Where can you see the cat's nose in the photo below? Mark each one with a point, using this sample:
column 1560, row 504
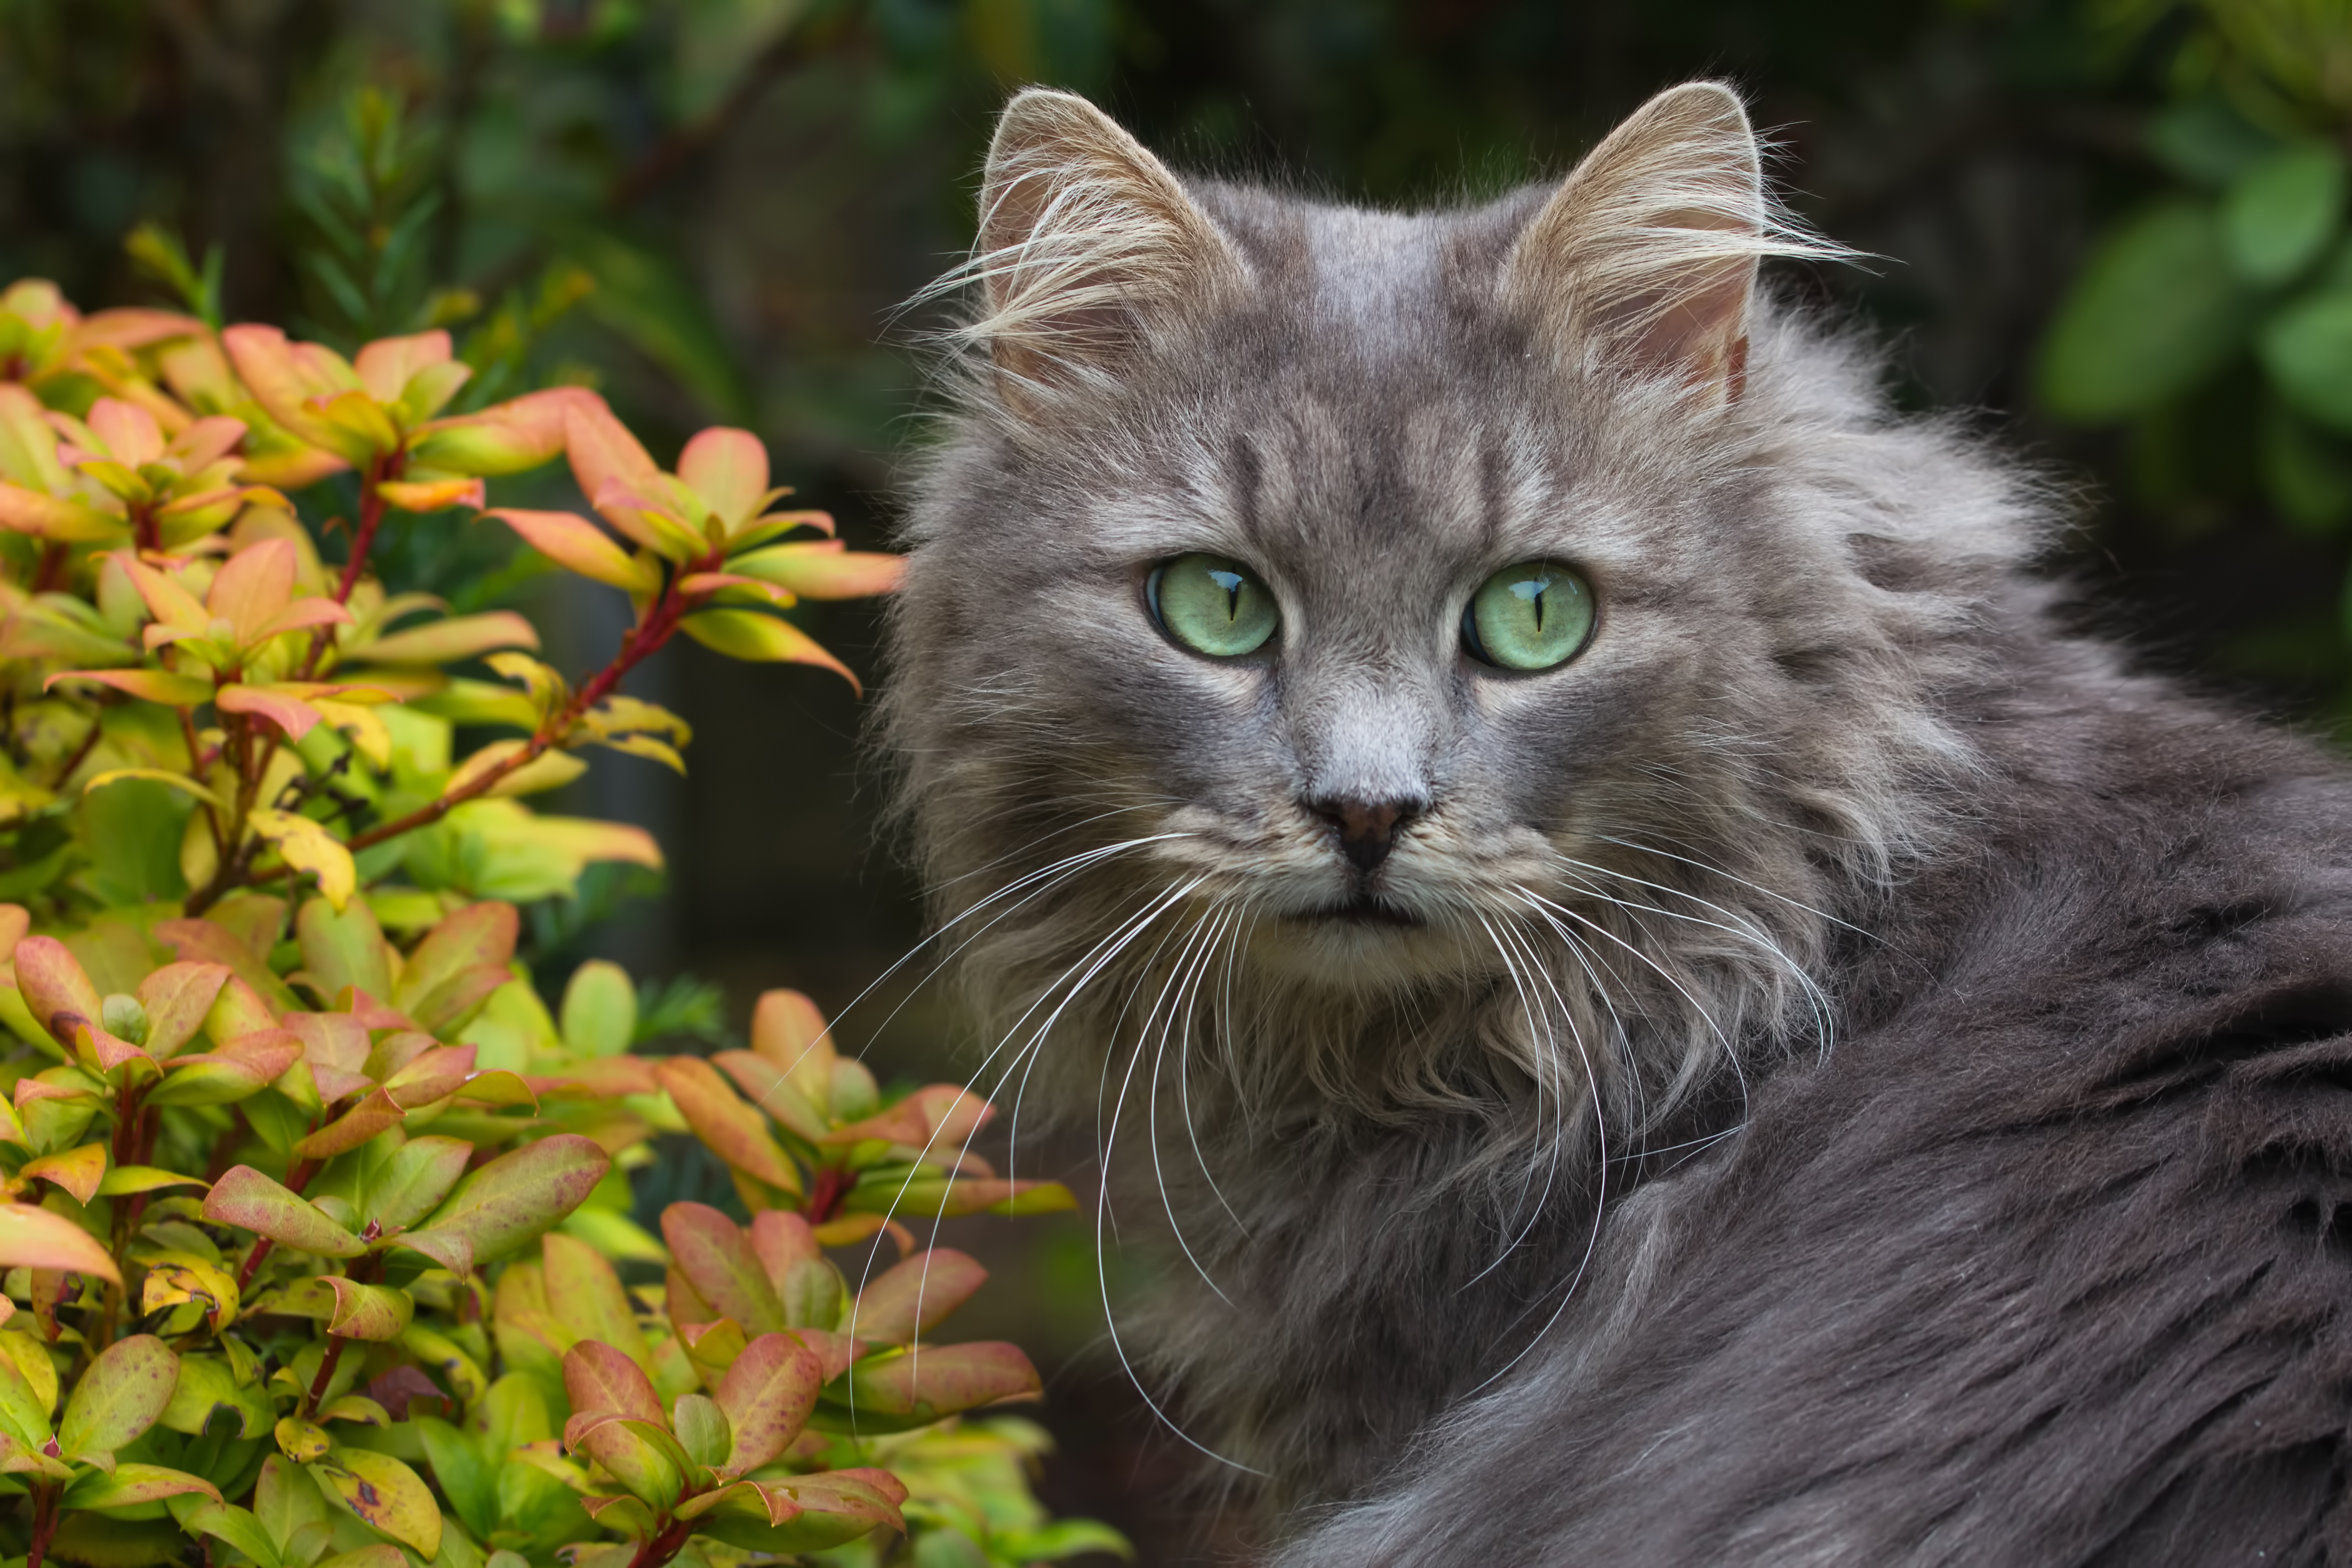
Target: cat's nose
column 1368, row 828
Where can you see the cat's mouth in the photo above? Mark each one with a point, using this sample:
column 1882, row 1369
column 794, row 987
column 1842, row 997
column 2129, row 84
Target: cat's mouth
column 1365, row 909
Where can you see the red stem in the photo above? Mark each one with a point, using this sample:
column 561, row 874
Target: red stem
column 638, row 643
column 327, row 1365
column 45, row 1522
column 363, row 1272
column 370, row 518
column 82, row 751
column 825, row 1194
column 652, row 1553
column 252, row 1265
column 51, row 569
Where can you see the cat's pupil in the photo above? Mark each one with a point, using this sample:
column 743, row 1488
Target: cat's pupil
column 1231, row 582
column 1532, row 590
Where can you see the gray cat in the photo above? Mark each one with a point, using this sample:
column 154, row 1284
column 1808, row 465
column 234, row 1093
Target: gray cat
column 1663, row 1011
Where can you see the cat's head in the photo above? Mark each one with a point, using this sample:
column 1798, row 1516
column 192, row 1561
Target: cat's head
column 1474, row 636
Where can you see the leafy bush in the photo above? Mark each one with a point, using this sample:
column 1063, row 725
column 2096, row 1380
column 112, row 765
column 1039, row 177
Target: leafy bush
column 316, row 1205
column 2214, row 320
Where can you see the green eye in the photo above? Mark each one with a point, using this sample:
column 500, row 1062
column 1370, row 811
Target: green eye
column 1531, row 616
column 1212, row 606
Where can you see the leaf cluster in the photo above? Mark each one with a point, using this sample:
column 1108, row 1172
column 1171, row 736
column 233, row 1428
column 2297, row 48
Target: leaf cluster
column 313, row 1206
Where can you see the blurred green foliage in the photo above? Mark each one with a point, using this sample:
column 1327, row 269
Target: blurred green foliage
column 2213, row 322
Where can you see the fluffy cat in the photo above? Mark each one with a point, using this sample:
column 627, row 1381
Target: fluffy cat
column 1665, row 1011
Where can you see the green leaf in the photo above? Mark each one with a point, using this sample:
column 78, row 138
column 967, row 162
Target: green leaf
column 767, row 1396
column 1065, row 1538
column 600, row 1380
column 302, row 1441
column 345, row 948
column 368, row 1312
column 447, row 641
column 920, row 1386
column 2279, row 216
column 380, row 1555
column 417, row 1176
column 702, row 1431
column 372, row 1116
column 585, row 1295
column 640, row 1455
column 459, row 1371
column 207, row 1386
column 251, row 1201
column 479, row 937
column 108, row 1541
column 237, row 1526
column 758, row 638
column 912, row 1296
column 733, row 1129
column 23, row 1413
column 285, row 1501
column 467, row 1480
column 836, row 1507
column 133, row 831
column 176, row 997
column 123, row 1181
column 2156, row 311
column 2307, row 350
column 31, row 1360
column 130, row 1485
column 600, row 1010
column 384, row 1493
column 2306, row 473
column 2207, row 142
column 713, row 1254
column 513, row 1199
column 118, row 1397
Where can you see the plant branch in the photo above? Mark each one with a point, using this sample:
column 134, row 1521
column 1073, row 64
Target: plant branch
column 82, row 751
column 640, row 643
column 682, row 146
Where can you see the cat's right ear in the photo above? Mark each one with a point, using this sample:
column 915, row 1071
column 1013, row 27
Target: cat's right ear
column 1086, row 242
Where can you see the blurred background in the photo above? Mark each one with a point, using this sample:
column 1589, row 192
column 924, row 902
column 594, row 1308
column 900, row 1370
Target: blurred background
column 2110, row 230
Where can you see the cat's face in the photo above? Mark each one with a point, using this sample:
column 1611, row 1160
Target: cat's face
column 1371, row 605
column 1248, row 618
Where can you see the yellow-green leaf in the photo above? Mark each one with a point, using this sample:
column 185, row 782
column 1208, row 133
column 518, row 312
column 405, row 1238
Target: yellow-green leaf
column 118, row 1397
column 386, row 1494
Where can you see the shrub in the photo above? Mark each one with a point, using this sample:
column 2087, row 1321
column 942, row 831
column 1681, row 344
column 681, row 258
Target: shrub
column 315, row 1204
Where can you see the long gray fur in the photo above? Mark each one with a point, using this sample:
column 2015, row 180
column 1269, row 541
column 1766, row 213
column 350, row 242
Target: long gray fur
column 1872, row 1082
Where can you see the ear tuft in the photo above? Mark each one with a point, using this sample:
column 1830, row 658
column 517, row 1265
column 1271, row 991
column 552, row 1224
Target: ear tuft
column 1085, row 242
column 1645, row 258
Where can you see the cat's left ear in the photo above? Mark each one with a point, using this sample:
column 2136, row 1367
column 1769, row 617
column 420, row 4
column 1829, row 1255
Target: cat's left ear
column 1645, row 260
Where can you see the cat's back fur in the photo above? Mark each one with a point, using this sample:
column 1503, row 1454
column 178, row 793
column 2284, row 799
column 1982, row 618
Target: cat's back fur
column 1864, row 1078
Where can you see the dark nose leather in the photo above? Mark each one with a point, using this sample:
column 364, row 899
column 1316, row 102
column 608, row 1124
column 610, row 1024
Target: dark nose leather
column 1368, row 828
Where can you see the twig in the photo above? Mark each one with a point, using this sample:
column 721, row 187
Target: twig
column 688, row 143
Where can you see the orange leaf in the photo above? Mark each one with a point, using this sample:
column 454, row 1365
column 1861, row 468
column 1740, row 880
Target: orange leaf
column 729, row 469
column 384, row 365
column 601, row 448
column 34, row 1238
column 254, row 586
column 290, row 714
column 78, row 1170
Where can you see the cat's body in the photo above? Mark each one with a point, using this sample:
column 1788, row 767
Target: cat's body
column 1834, row 1071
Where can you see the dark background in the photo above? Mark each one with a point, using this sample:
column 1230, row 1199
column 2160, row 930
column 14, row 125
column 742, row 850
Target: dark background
column 728, row 198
